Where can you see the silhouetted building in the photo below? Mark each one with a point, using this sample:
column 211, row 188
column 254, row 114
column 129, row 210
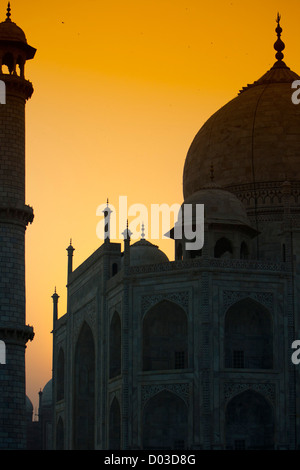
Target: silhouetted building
column 33, row 428
column 14, row 218
column 39, row 431
column 196, row 353
column 46, row 416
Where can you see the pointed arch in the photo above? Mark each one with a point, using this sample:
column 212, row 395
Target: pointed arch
column 165, row 337
column 165, row 422
column 21, row 63
column 249, row 422
column 248, row 336
column 9, row 61
column 84, row 390
column 223, row 248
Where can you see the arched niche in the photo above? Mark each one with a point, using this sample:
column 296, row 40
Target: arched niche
column 223, row 248
column 249, row 422
column 84, row 390
column 248, row 336
column 165, row 337
column 165, row 422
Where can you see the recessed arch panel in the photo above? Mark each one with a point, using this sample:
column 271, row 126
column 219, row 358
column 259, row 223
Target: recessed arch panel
column 165, row 337
column 165, row 422
column 84, row 390
column 248, row 336
column 249, row 422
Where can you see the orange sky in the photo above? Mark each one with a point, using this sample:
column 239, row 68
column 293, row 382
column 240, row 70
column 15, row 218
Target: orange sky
column 121, row 89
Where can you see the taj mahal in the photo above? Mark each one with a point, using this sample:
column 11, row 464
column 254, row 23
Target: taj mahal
column 193, row 353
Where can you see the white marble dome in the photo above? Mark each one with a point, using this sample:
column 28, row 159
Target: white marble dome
column 220, row 206
column 47, row 394
column 143, row 252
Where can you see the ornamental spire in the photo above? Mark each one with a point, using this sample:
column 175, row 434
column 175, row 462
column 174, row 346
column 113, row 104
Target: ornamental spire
column 8, row 14
column 279, row 44
column 127, row 232
column 70, row 251
column 107, row 213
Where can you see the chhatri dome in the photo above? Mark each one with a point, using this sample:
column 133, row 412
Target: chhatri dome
column 47, row 394
column 10, row 31
column 143, row 253
column 255, row 138
column 223, row 210
column 220, row 206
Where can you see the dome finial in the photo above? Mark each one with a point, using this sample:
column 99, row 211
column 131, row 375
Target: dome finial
column 279, row 44
column 127, row 233
column 143, row 231
column 8, row 14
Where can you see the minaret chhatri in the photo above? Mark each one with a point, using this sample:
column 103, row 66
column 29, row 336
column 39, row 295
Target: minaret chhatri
column 14, row 218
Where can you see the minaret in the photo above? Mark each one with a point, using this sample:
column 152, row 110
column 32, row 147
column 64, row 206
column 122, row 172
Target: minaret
column 127, row 235
column 70, row 251
column 55, row 298
column 107, row 214
column 14, row 218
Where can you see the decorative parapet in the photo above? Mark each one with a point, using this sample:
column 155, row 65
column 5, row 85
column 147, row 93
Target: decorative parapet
column 17, row 86
column 207, row 263
column 267, row 193
column 249, row 265
column 23, row 215
column 17, row 335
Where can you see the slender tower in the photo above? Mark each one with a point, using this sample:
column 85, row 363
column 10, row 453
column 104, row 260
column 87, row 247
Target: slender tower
column 14, row 218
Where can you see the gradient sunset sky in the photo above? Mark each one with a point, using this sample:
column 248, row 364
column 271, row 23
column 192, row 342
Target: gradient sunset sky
column 121, row 89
